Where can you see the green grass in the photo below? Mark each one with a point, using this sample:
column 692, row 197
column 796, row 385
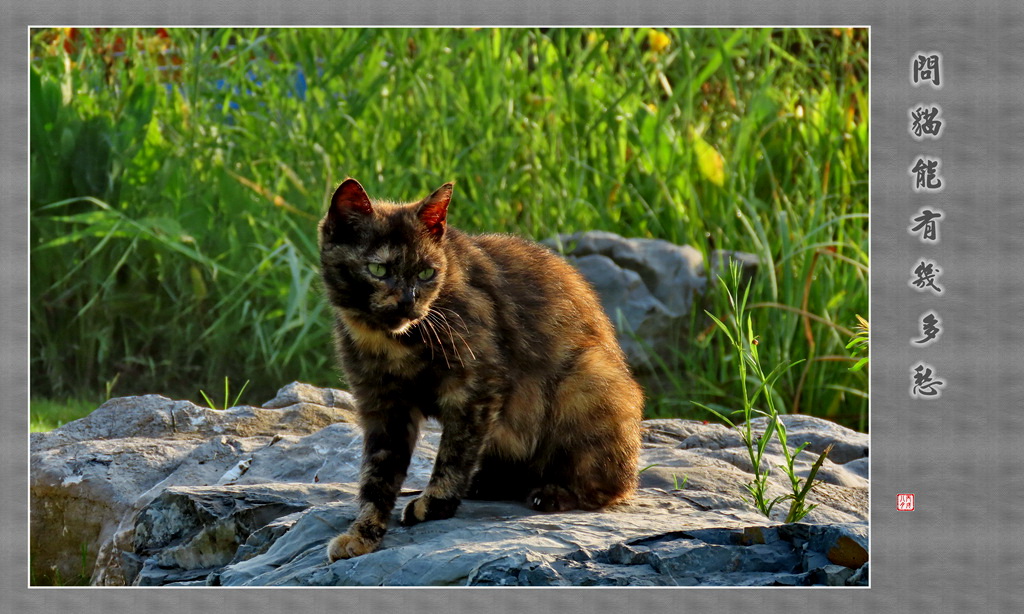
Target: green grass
column 48, row 414
column 227, row 396
column 176, row 184
column 755, row 384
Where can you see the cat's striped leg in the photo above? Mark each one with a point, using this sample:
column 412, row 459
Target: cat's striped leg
column 458, row 456
column 387, row 450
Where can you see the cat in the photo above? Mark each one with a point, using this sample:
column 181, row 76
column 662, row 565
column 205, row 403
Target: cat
column 499, row 339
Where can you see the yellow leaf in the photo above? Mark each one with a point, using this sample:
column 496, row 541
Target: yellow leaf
column 709, row 161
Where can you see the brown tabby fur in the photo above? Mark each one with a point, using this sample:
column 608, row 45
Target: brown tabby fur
column 505, row 344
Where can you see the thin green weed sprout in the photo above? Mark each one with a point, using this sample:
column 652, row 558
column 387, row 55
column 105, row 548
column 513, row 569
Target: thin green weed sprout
column 109, row 386
column 226, row 395
column 745, row 344
column 676, row 483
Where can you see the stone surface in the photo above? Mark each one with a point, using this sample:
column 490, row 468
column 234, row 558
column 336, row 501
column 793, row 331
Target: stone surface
column 236, row 499
column 87, row 475
column 298, row 393
column 648, row 287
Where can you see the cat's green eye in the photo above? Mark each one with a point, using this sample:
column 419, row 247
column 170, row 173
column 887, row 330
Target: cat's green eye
column 377, row 269
column 427, row 274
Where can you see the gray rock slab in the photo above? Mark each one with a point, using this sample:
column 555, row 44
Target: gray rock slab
column 645, row 543
column 89, row 475
column 237, row 499
column 298, row 392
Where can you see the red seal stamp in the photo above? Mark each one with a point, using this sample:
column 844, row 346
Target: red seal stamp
column 904, row 502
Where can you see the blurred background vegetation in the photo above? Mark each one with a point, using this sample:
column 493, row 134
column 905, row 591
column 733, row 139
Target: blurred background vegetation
column 177, row 176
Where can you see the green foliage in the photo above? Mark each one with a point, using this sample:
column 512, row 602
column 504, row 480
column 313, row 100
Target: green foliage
column 48, row 414
column 227, row 396
column 745, row 344
column 177, row 177
column 859, row 343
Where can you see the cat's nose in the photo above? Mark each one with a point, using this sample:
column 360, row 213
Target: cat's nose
column 406, row 299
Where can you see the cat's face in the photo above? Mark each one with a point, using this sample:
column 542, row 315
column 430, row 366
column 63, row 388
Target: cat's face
column 383, row 264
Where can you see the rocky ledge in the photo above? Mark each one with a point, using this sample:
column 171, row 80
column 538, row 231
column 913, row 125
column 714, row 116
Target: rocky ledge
column 150, row 491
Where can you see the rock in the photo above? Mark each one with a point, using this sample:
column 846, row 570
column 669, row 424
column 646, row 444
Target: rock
column 191, row 532
column 819, row 434
column 154, row 416
column 235, row 499
column 297, row 392
column 648, row 287
column 87, row 475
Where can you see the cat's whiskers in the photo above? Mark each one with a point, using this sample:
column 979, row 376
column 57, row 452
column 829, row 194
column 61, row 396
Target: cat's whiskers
column 440, row 342
column 440, row 319
column 421, row 326
column 444, row 322
column 451, row 329
column 430, row 324
column 457, row 315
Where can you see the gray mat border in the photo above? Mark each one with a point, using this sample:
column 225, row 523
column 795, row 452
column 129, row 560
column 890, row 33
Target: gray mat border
column 958, row 552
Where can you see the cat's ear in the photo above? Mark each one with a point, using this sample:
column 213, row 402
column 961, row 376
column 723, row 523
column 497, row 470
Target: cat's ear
column 433, row 211
column 350, row 200
column 349, row 204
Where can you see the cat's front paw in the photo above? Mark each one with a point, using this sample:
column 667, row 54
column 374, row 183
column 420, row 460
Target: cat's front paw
column 348, row 545
column 428, row 508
